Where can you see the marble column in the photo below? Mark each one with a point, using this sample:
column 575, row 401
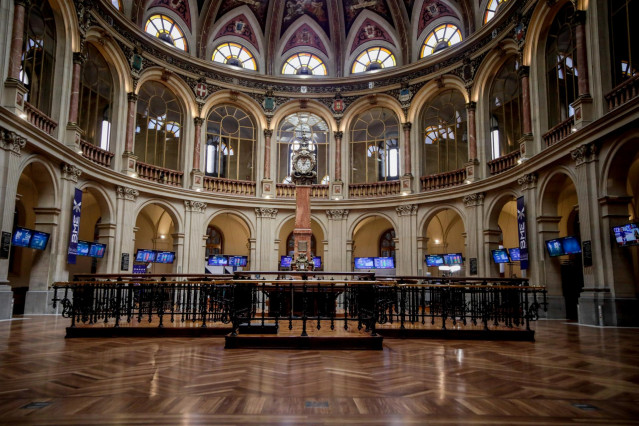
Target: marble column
column 474, row 204
column 265, row 252
column 338, row 155
column 197, row 121
column 128, row 158
column 406, row 247
column 526, row 149
column 194, row 229
column 334, row 259
column 582, row 52
column 472, row 133
column 268, row 133
column 17, row 38
column 125, row 213
column 78, row 59
column 407, row 154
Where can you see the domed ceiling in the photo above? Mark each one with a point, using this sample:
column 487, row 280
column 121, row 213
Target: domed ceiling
column 336, row 32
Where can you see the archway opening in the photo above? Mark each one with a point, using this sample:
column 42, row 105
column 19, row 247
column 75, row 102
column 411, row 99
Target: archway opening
column 445, row 244
column 374, row 236
column 227, row 235
column 318, row 243
column 155, row 230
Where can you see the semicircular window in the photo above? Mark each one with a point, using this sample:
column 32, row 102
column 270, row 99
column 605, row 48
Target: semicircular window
column 440, row 38
column 167, row 30
column 374, row 58
column 492, row 9
column 234, row 54
column 304, row 64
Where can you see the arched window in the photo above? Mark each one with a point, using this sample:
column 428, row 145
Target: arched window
column 445, row 145
column 158, row 133
column 304, row 64
column 234, row 54
column 289, row 134
column 561, row 65
column 117, row 4
column 38, row 56
column 492, row 9
column 624, row 48
column 387, row 244
column 290, row 245
column 230, row 144
column 440, row 38
column 505, row 110
column 214, row 241
column 167, row 30
column 375, row 58
column 374, row 147
column 96, row 99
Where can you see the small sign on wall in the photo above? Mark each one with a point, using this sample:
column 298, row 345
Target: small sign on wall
column 5, row 245
column 587, row 253
column 473, row 266
column 124, row 262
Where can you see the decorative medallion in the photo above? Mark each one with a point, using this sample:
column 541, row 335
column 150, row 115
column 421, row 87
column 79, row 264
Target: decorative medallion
column 239, row 27
column 305, row 36
column 370, row 31
column 432, row 10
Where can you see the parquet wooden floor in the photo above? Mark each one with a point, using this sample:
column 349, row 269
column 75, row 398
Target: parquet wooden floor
column 570, row 375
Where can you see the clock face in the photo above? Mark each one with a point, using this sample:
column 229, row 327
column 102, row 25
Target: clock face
column 303, row 165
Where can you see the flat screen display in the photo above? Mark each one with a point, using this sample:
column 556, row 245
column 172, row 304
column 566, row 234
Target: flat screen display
column 218, row 260
column 139, row 269
column 626, row 235
column 555, row 248
column 571, row 245
column 515, row 256
column 145, row 256
column 83, row 248
column 285, row 261
column 97, row 250
column 434, row 260
column 317, row 262
column 238, row 260
column 384, row 262
column 453, row 259
column 39, row 240
column 165, row 257
column 500, row 256
column 364, row 263
column 21, row 237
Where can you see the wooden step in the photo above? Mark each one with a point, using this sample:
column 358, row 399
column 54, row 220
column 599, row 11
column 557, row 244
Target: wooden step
column 303, row 342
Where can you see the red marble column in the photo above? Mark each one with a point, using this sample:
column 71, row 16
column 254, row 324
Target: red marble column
column 407, row 155
column 17, row 38
column 197, row 121
column 582, row 53
column 302, row 231
column 78, row 60
column 338, row 155
column 524, row 78
column 472, row 132
column 130, row 122
column 267, row 153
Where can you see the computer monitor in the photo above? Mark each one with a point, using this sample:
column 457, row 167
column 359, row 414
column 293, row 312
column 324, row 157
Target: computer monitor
column 514, row 254
column 500, row 256
column 384, row 262
column 453, row 259
column 317, row 262
column 97, row 250
column 571, row 245
column 39, row 240
column 238, row 260
column 218, row 260
column 555, row 247
column 626, row 235
column 434, row 260
column 364, row 263
column 143, row 255
column 285, row 261
column 165, row 257
column 21, row 237
column 83, row 248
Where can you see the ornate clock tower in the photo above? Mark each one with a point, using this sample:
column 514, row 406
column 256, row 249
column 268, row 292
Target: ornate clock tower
column 303, row 175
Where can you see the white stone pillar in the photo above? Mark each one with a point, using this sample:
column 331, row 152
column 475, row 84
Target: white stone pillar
column 194, row 228
column 474, row 204
column 178, row 248
column 125, row 234
column 109, row 264
column 407, row 263
column 334, row 259
column 265, row 255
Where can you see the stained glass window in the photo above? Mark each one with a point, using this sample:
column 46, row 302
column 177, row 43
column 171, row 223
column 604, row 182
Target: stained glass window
column 167, row 30
column 440, row 38
column 304, row 64
column 375, row 58
column 234, row 54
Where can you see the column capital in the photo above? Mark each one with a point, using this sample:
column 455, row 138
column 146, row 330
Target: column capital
column 471, row 105
column 528, row 181
column 584, row 153
column 407, row 126
column 579, row 18
column 129, row 194
column 266, row 213
column 198, row 121
column 338, row 134
column 406, row 210
column 10, row 141
column 195, row 206
column 70, row 172
column 474, row 200
column 268, row 133
column 523, row 71
column 132, row 96
column 337, row 214
column 79, row 58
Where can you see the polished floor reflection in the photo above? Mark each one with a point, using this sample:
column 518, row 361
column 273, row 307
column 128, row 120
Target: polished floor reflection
column 571, row 374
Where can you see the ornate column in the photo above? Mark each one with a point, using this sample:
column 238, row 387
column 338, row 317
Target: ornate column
column 14, row 90
column 526, row 141
column 406, row 262
column 265, row 256
column 106, row 235
column 195, row 230
column 475, row 252
column 197, row 176
column 471, row 166
column 268, row 188
column 74, row 133
column 11, row 146
column 528, row 185
column 334, row 257
column 407, row 178
column 129, row 159
column 583, row 104
column 125, row 234
column 337, row 186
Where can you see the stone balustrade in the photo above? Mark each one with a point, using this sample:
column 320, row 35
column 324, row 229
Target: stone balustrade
column 443, row 180
column 503, row 163
column 159, row 174
column 229, row 186
column 624, row 92
column 374, row 189
column 284, row 190
column 39, row 119
column 559, row 132
column 96, row 154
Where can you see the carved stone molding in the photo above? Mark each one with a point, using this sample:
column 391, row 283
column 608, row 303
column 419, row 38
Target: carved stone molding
column 129, row 194
column 584, row 154
column 266, row 213
column 338, row 134
column 10, row 141
column 337, row 214
column 528, row 181
column 195, row 206
column 70, row 172
column 472, row 200
column 268, row 133
column 406, row 210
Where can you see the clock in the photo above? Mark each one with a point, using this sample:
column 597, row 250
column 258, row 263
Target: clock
column 303, row 165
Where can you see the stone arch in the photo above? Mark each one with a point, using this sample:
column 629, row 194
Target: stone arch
column 104, row 201
column 489, row 67
column 176, row 216
column 358, row 219
column 248, row 225
column 111, row 52
column 174, row 83
column 365, row 103
column 242, row 101
column 312, row 106
column 49, row 176
column 430, row 90
column 550, row 184
column 494, row 206
column 433, row 211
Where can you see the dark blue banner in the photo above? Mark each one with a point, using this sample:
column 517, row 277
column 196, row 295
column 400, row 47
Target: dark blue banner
column 75, row 226
column 522, row 232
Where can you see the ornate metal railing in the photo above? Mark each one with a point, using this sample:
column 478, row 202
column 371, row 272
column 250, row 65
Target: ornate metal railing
column 374, row 189
column 624, row 92
column 503, row 163
column 284, row 190
column 39, row 119
column 443, row 180
column 159, row 174
column 229, row 186
column 327, row 303
column 96, row 154
column 559, row 132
